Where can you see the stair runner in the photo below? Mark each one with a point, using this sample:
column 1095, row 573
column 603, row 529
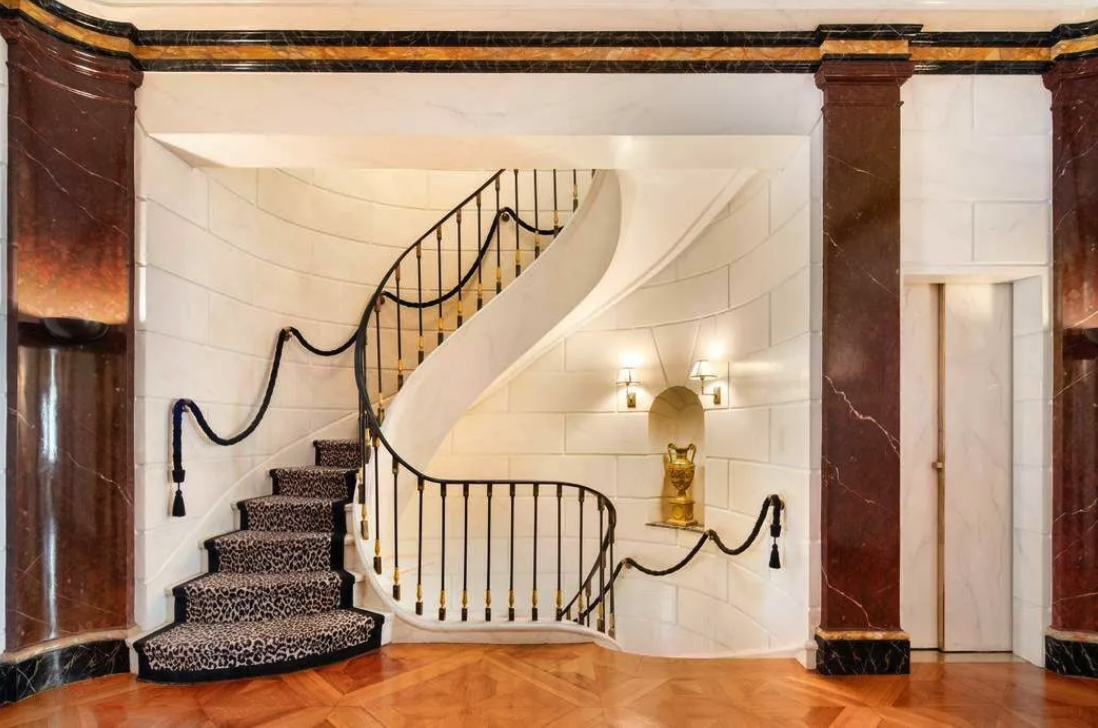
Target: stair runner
column 276, row 597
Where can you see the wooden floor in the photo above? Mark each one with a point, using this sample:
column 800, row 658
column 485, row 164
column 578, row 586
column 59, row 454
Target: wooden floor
column 575, row 685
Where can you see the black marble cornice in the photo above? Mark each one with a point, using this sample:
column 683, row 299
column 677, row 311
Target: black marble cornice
column 985, row 39
column 479, row 39
column 802, row 51
column 866, row 32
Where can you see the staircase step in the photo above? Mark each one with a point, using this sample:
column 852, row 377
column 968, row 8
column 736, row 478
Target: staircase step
column 229, row 597
column 291, row 513
column 315, row 481
column 275, row 551
column 337, row 453
column 197, row 652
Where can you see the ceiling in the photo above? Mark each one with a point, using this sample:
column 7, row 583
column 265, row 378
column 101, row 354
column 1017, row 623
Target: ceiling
column 550, row 15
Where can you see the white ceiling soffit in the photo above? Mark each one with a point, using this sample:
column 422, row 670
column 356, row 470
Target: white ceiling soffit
column 559, row 15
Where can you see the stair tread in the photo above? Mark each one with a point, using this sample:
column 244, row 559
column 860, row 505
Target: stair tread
column 332, row 469
column 272, row 536
column 214, row 649
column 292, row 500
column 266, row 579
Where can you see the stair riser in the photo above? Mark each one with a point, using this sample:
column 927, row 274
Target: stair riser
column 314, row 485
column 222, row 606
column 277, row 557
column 286, row 517
column 336, row 455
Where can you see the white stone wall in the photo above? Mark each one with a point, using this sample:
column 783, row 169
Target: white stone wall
column 739, row 296
column 976, row 177
column 226, row 258
column 977, row 188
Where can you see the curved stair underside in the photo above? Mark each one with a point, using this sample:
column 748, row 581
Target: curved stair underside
column 276, row 597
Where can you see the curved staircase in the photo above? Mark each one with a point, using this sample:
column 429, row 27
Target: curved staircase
column 276, row 596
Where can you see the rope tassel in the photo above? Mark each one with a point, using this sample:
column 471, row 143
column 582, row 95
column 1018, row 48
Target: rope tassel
column 179, row 508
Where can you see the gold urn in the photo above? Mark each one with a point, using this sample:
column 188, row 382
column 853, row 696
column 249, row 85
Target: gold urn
column 679, row 465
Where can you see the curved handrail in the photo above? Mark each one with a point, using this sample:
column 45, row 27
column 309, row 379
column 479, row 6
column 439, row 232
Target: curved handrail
column 772, row 502
column 180, row 406
column 370, row 424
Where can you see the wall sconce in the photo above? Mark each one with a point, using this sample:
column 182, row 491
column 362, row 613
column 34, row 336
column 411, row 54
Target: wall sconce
column 701, row 371
column 625, row 379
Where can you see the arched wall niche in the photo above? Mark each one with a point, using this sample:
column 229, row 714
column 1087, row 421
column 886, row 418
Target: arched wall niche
column 676, row 416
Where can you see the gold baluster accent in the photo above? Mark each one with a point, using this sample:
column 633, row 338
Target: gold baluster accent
column 400, row 373
column 602, row 615
column 421, row 349
column 377, row 556
column 440, row 329
column 499, row 279
column 518, row 262
column 560, row 603
column 511, row 604
column 487, row 605
column 464, row 605
column 537, row 245
column 442, row 605
column 575, row 196
column 556, row 220
column 613, row 631
column 534, row 605
column 363, row 522
column 419, row 599
column 396, row 583
column 480, row 295
column 461, row 317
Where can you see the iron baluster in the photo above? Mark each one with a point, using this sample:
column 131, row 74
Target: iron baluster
column 438, row 238
column 396, row 533
column 560, row 541
column 601, row 624
column 419, row 553
column 460, row 313
column 537, row 226
column 511, row 583
column 419, row 289
column 442, row 574
column 534, row 576
column 465, row 554
column 488, row 567
column 499, row 244
column 580, row 603
column 480, row 260
column 518, row 251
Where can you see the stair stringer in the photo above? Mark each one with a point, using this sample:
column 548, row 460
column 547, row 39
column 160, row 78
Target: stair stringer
column 629, row 227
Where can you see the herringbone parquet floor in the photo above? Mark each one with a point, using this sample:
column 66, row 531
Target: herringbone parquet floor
column 573, row 686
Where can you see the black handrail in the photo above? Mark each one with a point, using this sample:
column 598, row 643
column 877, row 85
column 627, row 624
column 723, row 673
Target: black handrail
column 772, row 502
column 179, row 475
column 371, row 420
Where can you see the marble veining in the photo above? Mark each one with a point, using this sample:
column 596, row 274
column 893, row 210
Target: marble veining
column 1071, row 657
column 785, row 51
column 860, row 502
column 840, row 657
column 1075, row 388
column 19, row 680
column 70, row 470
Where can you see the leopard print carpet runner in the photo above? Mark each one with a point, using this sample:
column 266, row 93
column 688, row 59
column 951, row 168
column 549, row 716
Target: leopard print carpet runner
column 277, row 597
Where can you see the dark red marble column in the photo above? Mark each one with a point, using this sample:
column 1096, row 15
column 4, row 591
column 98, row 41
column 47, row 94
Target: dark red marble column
column 1071, row 647
column 860, row 620
column 70, row 359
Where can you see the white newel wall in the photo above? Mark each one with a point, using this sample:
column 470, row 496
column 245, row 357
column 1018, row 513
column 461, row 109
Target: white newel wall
column 977, row 188
column 226, row 258
column 740, row 297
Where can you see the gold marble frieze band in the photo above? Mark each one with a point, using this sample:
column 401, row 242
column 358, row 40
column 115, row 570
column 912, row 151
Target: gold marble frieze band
column 481, row 54
column 862, row 635
column 157, row 47
column 1072, row 636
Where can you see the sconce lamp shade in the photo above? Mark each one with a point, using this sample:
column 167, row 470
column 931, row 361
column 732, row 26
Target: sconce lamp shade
column 625, row 376
column 702, row 370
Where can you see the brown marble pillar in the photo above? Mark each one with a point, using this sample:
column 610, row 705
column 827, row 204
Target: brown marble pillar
column 1071, row 647
column 860, row 527
column 70, row 354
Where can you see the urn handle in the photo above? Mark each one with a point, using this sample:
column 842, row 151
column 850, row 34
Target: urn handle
column 691, row 451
